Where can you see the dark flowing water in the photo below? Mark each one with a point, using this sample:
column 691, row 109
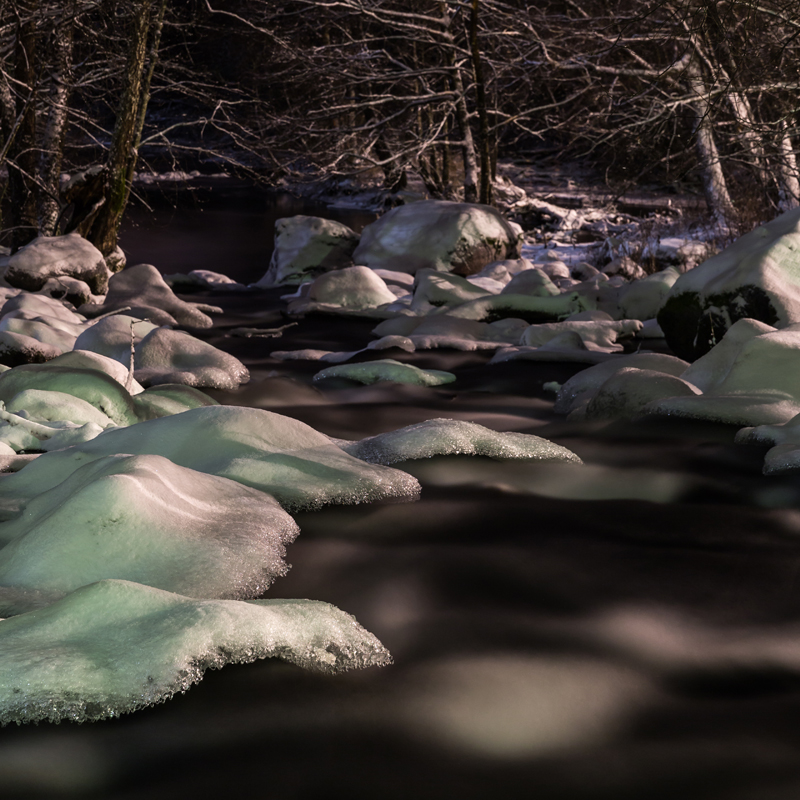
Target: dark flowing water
column 622, row 630
column 217, row 224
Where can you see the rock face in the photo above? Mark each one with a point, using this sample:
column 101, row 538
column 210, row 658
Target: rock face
column 758, row 277
column 436, row 234
column 306, row 247
column 58, row 256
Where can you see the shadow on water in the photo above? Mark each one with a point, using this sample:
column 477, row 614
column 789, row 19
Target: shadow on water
column 221, row 224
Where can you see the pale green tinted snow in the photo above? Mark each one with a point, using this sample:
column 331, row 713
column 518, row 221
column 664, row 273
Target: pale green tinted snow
column 114, row 646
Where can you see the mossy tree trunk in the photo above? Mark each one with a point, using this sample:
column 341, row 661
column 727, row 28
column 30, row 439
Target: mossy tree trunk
column 124, row 151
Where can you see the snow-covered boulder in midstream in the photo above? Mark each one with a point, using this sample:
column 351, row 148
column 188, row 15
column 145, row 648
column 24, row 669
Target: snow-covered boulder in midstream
column 442, row 330
column 48, row 330
column 601, row 335
column 95, row 387
column 437, row 234
column 52, row 256
column 438, row 437
column 276, row 454
column 305, row 247
column 145, row 519
column 167, row 356
column 749, row 378
column 387, row 369
column 643, row 299
column 758, row 276
column 530, row 308
column 143, row 291
column 434, row 289
column 114, row 337
column 533, row 281
column 576, row 393
column 114, row 646
column 349, row 289
column 629, row 391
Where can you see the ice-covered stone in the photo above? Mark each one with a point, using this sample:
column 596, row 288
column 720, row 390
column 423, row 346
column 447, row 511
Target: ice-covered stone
column 167, row 356
column 268, row 451
column 387, row 369
column 145, row 519
column 52, row 256
column 436, row 234
column 114, row 646
column 305, row 247
column 437, row 437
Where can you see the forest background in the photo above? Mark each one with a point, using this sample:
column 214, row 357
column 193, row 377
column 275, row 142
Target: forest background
column 691, row 94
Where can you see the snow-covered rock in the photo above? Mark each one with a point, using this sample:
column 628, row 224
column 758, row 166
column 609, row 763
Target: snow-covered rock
column 268, row 451
column 145, row 519
column 305, row 247
column 642, row 299
column 114, row 337
column 437, row 437
column 596, row 335
column 53, row 256
column 167, row 356
column 758, row 276
column 115, row 646
column 437, row 234
column 387, row 369
column 141, row 289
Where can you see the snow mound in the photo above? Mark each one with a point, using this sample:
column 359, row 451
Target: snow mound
column 580, row 388
column 142, row 289
column 751, row 380
column 600, row 335
column 96, row 388
column 113, row 337
column 439, row 437
column 386, row 369
column 167, row 356
column 276, row 454
column 627, row 393
column 145, row 519
column 115, row 646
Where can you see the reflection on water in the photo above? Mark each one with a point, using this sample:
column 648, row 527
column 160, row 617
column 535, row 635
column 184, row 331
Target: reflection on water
column 222, row 225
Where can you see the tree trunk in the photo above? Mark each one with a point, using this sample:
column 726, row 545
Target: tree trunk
column 53, row 136
column 123, row 153
column 483, row 115
column 788, row 181
column 714, row 184
column 462, row 115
